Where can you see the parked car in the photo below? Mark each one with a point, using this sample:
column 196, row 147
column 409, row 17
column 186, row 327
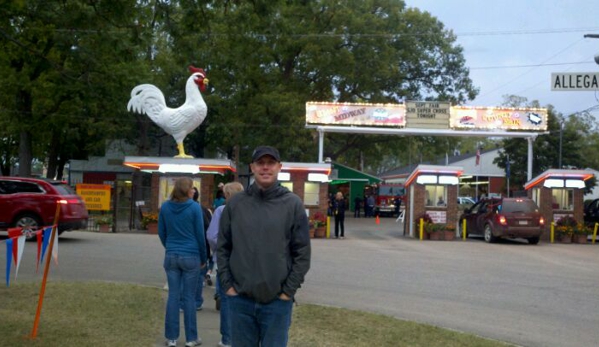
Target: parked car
column 30, row 203
column 465, row 202
column 494, row 218
column 591, row 212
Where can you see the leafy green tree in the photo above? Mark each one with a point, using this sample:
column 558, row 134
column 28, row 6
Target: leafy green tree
column 266, row 59
column 63, row 65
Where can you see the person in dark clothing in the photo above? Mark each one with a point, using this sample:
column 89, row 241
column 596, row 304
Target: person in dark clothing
column 357, row 206
column 207, row 214
column 339, row 213
column 263, row 255
column 397, row 204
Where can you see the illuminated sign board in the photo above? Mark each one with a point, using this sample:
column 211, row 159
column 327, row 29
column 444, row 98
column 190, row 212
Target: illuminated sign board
column 498, row 118
column 387, row 115
column 427, row 114
column 95, row 196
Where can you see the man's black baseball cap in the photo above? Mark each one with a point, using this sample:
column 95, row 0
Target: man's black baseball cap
column 261, row 151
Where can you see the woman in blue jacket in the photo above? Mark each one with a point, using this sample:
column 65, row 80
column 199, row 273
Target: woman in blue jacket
column 180, row 228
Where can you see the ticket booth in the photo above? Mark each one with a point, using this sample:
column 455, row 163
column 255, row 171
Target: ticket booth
column 164, row 171
column 431, row 189
column 559, row 193
column 309, row 181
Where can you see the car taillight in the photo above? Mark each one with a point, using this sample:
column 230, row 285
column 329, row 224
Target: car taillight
column 69, row 201
column 502, row 220
column 542, row 221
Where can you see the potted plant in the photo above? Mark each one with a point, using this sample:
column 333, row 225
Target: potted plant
column 565, row 228
column 150, row 222
column 320, row 222
column 428, row 225
column 104, row 222
column 435, row 231
column 449, row 232
column 312, row 228
column 581, row 233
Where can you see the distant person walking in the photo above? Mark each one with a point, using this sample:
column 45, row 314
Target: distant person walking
column 370, row 202
column 181, row 232
column 339, row 213
column 357, row 206
column 218, row 200
column 229, row 190
column 263, row 255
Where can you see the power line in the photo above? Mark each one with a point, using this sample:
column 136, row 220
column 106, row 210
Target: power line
column 531, row 65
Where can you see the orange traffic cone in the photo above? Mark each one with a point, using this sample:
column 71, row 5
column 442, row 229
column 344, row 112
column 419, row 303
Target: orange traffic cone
column 378, row 221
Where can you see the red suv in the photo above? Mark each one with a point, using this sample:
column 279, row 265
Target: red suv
column 494, row 218
column 30, row 203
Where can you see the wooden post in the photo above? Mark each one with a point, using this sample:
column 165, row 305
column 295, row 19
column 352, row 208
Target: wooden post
column 46, row 270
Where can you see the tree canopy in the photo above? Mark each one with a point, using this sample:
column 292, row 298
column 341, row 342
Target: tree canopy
column 69, row 68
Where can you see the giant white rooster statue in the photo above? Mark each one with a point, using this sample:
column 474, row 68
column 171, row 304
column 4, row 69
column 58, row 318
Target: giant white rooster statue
column 178, row 122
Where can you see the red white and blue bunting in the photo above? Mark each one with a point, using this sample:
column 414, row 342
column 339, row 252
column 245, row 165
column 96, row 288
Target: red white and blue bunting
column 15, row 245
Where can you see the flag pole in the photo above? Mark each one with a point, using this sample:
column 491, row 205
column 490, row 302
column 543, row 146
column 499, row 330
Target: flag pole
column 46, row 270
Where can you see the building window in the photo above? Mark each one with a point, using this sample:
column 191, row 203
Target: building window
column 288, row 185
column 536, row 196
column 562, row 199
column 435, row 196
column 311, row 193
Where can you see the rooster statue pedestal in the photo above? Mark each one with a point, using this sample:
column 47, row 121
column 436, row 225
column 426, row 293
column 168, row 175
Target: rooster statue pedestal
column 178, row 122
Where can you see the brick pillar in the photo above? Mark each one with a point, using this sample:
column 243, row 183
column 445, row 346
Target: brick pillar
column 207, row 190
column 154, row 192
column 546, row 208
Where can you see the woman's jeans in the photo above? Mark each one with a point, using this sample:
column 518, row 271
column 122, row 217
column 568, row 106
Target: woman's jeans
column 182, row 272
column 254, row 324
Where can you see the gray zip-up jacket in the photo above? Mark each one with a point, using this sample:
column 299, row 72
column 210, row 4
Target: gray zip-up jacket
column 263, row 246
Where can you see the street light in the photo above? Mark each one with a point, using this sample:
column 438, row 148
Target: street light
column 593, row 36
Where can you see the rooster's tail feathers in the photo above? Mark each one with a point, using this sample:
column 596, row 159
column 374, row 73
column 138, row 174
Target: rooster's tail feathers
column 148, row 99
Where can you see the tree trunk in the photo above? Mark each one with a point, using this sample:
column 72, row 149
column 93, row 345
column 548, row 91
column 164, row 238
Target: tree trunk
column 53, row 155
column 25, row 154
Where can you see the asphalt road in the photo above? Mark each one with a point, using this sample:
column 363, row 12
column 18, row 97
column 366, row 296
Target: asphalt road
column 543, row 295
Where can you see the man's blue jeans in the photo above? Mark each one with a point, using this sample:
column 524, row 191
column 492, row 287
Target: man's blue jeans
column 225, row 316
column 254, row 324
column 182, row 272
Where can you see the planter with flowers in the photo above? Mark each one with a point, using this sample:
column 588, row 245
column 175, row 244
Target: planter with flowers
column 319, row 224
column 449, row 232
column 581, row 233
column 104, row 223
column 150, row 222
column 428, row 226
column 564, row 229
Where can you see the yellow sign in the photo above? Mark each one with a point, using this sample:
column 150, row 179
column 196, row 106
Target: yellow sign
column 95, row 196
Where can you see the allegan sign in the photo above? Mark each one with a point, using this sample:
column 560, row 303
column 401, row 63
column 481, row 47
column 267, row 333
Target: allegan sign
column 427, row 114
column 576, row 81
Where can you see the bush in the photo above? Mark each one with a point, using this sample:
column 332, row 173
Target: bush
column 105, row 219
column 149, row 218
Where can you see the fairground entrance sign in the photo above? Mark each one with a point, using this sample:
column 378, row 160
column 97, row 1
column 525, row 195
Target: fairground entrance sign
column 426, row 118
column 426, row 115
column 576, row 81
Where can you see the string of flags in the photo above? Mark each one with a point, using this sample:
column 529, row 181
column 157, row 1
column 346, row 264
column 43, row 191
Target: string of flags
column 15, row 245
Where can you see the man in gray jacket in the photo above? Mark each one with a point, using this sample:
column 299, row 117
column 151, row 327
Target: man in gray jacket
column 263, row 254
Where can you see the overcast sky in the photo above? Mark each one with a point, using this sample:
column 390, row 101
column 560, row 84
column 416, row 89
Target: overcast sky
column 498, row 35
